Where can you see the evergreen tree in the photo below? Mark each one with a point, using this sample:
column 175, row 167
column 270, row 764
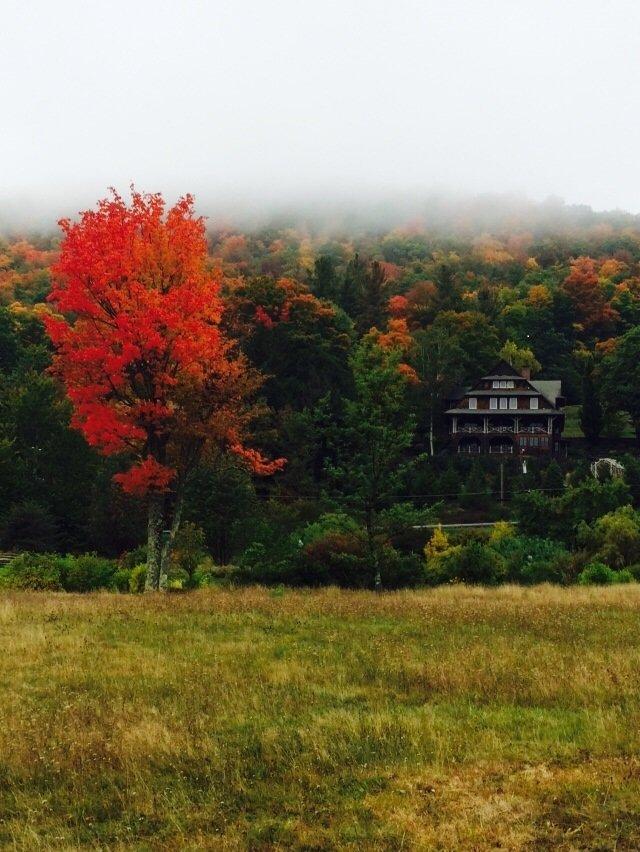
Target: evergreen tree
column 553, row 479
column 475, row 492
column 449, row 296
column 373, row 299
column 371, row 444
column 621, row 377
column 353, row 285
column 324, row 281
column 449, row 485
column 591, row 414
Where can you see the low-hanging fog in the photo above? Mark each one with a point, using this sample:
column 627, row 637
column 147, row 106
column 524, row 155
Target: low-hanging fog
column 263, row 106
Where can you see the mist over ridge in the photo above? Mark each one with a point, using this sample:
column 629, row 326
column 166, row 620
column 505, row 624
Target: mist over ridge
column 439, row 213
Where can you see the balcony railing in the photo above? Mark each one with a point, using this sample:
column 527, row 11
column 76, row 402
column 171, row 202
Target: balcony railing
column 501, row 448
column 469, row 448
column 501, row 429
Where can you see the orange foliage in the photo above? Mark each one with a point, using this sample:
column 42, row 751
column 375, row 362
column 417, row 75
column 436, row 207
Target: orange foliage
column 138, row 340
column 611, row 267
column 583, row 287
column 398, row 306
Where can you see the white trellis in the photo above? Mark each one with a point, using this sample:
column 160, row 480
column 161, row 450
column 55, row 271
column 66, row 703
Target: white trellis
column 615, row 469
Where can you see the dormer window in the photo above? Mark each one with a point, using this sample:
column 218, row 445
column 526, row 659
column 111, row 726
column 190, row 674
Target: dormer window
column 493, row 402
column 533, row 402
column 473, row 402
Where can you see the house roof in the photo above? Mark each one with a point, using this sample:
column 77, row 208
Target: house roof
column 503, row 370
column 550, row 389
column 512, row 412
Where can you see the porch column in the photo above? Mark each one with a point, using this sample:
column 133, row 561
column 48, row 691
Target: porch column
column 455, row 424
column 516, row 425
column 486, row 425
column 549, row 425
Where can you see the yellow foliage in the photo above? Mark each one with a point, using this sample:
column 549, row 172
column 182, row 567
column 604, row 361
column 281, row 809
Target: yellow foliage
column 500, row 531
column 437, row 544
column 611, row 267
column 539, row 296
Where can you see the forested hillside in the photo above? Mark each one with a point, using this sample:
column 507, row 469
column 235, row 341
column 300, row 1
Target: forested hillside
column 359, row 334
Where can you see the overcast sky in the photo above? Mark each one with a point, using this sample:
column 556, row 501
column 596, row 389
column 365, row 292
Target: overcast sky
column 271, row 100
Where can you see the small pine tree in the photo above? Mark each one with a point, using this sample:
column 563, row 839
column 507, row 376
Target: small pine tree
column 553, row 479
column 475, row 492
column 449, row 485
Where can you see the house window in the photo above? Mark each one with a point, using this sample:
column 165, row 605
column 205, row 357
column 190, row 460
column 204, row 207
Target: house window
column 473, row 402
column 503, row 402
column 513, row 402
column 510, row 384
column 533, row 402
column 495, row 383
column 493, row 402
column 503, row 383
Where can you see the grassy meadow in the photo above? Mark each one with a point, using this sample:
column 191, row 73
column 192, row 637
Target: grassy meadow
column 458, row 718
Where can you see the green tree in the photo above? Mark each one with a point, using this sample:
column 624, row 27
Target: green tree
column 521, row 358
column 477, row 340
column 374, row 299
column 438, row 360
column 222, row 499
column 353, row 284
column 476, row 491
column 300, row 343
column 372, row 442
column 449, row 484
column 621, row 377
column 591, row 413
column 324, row 280
column 189, row 550
column 553, row 479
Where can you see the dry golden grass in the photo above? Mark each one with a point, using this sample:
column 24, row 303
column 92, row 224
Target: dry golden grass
column 450, row 719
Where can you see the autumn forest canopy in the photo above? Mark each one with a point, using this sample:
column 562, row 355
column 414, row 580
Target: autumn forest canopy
column 193, row 403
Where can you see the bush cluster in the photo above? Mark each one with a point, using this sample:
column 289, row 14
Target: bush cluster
column 502, row 556
column 330, row 551
column 52, row 572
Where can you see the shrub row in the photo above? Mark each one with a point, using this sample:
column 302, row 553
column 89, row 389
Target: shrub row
column 52, row 572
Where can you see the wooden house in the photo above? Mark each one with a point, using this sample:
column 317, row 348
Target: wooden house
column 507, row 412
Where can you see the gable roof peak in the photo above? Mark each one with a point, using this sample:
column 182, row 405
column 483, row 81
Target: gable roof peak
column 503, row 369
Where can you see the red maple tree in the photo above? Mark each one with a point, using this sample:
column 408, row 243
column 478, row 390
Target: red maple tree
column 140, row 349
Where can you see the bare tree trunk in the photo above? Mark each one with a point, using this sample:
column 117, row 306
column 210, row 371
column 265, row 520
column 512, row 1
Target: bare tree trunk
column 431, row 436
column 373, row 552
column 167, row 545
column 154, row 540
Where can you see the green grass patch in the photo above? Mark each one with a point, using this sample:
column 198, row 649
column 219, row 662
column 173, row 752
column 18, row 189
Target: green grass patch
column 452, row 718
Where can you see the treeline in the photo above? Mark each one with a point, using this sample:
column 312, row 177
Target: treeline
column 360, row 337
